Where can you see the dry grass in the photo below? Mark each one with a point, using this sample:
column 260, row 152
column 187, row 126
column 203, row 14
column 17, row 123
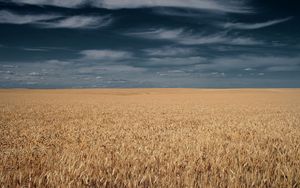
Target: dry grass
column 150, row 138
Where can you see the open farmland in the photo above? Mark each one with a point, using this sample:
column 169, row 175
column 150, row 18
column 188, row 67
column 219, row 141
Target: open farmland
column 150, row 138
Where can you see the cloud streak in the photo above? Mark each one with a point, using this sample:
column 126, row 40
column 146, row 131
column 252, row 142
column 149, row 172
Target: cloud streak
column 190, row 4
column 56, row 73
column 212, row 5
column 78, row 22
column 247, row 26
column 252, row 63
column 168, row 62
column 108, row 55
column 55, row 21
column 58, row 3
column 170, row 51
column 189, row 38
column 7, row 17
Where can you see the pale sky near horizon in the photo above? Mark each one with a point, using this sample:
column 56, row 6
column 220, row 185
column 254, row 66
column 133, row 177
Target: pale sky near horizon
column 149, row 43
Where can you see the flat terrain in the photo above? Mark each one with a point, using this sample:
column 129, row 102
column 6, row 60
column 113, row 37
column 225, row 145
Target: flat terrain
column 150, row 138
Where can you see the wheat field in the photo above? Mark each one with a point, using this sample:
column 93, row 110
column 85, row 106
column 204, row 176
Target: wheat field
column 150, row 138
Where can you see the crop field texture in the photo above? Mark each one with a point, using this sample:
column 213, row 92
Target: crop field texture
column 150, row 138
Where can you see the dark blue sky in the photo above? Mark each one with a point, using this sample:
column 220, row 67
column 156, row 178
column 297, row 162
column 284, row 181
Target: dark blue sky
column 149, row 43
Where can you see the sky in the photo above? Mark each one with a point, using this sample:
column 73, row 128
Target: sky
column 149, row 43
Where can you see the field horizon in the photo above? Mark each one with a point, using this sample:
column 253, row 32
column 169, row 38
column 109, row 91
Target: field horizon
column 150, row 137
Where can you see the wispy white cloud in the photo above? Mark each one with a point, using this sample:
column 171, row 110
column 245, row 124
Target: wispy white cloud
column 249, row 64
column 8, row 17
column 173, row 61
column 9, row 66
column 255, row 25
column 252, row 63
column 35, row 74
column 249, row 69
column 159, row 34
column 77, row 22
column 94, row 69
column 217, row 39
column 55, row 21
column 170, row 51
column 58, row 3
column 56, row 73
column 189, row 38
column 213, row 5
column 284, row 68
column 232, row 6
column 107, row 55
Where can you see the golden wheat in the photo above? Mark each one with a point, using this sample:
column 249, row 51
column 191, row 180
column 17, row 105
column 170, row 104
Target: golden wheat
column 150, row 138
